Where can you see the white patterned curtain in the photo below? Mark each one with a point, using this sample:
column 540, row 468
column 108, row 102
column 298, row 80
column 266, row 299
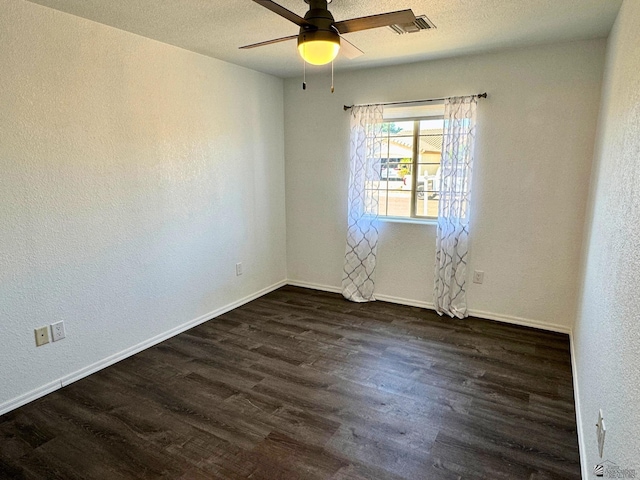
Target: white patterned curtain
column 362, row 235
column 453, row 211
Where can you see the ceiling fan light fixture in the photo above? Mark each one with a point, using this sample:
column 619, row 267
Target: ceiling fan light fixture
column 318, row 47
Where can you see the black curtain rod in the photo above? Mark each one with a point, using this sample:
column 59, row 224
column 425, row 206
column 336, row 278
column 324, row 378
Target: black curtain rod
column 347, row 107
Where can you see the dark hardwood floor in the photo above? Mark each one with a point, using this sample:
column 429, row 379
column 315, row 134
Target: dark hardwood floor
column 301, row 384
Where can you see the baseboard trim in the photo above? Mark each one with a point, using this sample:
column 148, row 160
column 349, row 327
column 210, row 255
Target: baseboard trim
column 524, row 322
column 576, row 399
column 110, row 360
column 405, row 301
column 21, row 400
column 314, row 286
column 79, row 374
column 165, row 335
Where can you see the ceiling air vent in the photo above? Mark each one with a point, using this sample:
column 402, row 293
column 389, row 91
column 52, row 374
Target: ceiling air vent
column 421, row 23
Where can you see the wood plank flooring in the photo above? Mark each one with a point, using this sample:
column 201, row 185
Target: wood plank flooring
column 301, row 384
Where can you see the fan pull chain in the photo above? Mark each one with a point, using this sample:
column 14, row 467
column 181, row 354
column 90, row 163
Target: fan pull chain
column 304, row 73
column 332, row 89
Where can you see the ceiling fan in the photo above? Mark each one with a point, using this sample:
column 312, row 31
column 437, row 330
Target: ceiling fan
column 320, row 38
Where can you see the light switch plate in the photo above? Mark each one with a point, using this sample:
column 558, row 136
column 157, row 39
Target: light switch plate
column 42, row 336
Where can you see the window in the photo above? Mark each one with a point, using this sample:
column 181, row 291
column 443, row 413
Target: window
column 408, row 146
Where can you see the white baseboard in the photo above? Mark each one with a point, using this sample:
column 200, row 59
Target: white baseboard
column 576, row 399
column 405, row 301
column 88, row 370
column 525, row 322
column 165, row 335
column 383, row 298
column 314, row 286
column 29, row 397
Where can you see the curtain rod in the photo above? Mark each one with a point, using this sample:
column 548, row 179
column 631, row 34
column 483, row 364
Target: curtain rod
column 347, row 107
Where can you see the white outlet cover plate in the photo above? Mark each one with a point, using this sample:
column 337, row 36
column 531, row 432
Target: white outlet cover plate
column 601, row 432
column 57, row 331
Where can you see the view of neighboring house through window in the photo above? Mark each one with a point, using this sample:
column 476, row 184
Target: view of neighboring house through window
column 408, row 148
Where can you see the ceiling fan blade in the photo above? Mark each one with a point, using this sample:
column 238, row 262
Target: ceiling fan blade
column 348, row 49
column 269, row 42
column 283, row 12
column 375, row 21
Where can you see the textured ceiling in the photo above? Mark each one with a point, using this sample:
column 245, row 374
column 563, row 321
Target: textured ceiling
column 218, row 27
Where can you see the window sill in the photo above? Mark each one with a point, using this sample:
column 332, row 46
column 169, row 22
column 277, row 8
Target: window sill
column 415, row 221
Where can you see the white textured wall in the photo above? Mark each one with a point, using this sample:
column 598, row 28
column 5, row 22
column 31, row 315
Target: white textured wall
column 607, row 331
column 133, row 176
column 534, row 153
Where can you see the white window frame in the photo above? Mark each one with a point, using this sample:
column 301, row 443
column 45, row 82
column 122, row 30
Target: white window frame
column 413, row 217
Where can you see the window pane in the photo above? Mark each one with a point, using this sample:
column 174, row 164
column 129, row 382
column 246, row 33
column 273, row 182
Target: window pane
column 398, row 202
column 431, row 125
column 392, row 144
column 378, row 148
column 382, row 203
column 401, row 149
column 376, row 129
column 430, row 151
column 405, row 170
column 374, row 203
column 429, row 176
column 427, row 204
column 430, row 147
column 399, row 129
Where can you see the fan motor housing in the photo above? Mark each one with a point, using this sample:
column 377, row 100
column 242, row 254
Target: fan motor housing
column 318, row 16
column 322, row 20
column 317, row 35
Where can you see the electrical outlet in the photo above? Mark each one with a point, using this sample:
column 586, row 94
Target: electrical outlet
column 601, row 431
column 42, row 336
column 478, row 276
column 57, row 331
column 239, row 269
